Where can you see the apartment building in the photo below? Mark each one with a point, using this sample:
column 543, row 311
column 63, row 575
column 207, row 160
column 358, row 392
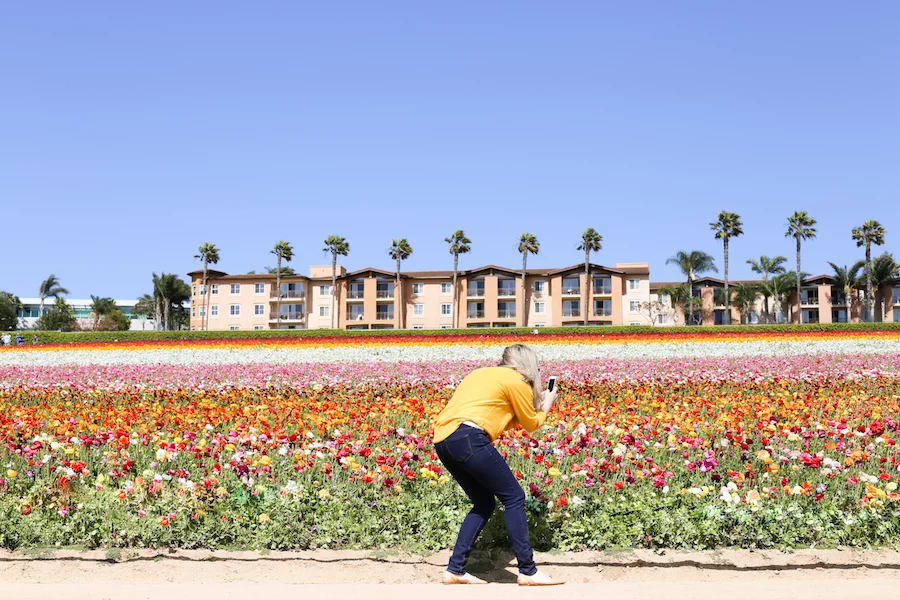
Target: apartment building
column 489, row 296
column 820, row 302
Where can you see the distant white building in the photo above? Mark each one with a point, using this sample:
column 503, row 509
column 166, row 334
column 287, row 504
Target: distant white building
column 30, row 312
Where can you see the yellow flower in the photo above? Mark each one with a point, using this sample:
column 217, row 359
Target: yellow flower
column 265, row 461
column 229, row 447
column 12, row 474
column 553, row 472
column 221, row 492
column 323, row 494
column 264, row 518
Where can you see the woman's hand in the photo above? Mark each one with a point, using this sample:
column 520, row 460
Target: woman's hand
column 549, row 399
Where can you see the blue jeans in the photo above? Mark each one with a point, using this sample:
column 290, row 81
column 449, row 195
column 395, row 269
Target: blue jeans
column 483, row 474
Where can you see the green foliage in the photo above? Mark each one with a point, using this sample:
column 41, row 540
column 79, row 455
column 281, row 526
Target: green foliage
column 99, row 336
column 9, row 311
column 115, row 320
column 59, row 318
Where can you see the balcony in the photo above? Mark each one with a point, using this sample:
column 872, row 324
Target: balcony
column 506, row 314
column 288, row 294
column 384, row 316
column 839, row 300
column 810, row 301
column 476, row 292
column 603, row 312
column 475, row 314
column 602, row 290
column 355, row 316
column 355, row 295
column 571, row 290
column 384, row 294
column 506, row 292
column 572, row 312
column 289, row 316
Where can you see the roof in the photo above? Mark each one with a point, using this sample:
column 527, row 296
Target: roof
column 580, row 268
column 369, row 270
column 491, row 269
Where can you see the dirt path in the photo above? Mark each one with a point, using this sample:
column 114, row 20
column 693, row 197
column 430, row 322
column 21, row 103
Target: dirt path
column 198, row 575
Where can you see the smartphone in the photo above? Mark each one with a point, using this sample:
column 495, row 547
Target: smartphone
column 551, row 383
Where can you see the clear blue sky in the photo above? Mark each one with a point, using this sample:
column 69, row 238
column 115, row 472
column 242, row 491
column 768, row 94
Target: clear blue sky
column 131, row 134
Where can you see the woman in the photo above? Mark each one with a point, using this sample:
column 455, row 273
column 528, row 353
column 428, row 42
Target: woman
column 487, row 402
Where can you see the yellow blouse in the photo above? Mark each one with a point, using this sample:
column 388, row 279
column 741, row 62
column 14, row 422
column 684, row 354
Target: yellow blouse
column 495, row 399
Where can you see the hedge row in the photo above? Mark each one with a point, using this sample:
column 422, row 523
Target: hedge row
column 56, row 337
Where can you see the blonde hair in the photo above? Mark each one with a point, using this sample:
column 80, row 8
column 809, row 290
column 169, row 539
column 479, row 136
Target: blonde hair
column 524, row 360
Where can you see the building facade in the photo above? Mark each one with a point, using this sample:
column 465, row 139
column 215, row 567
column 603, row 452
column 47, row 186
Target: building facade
column 489, row 296
column 31, row 307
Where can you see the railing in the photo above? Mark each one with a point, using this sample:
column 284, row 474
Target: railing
column 895, row 299
column 572, row 312
column 384, row 316
column 475, row 314
column 506, row 292
column 355, row 294
column 384, row 294
column 476, row 292
column 603, row 312
column 355, row 317
column 572, row 291
column 288, row 294
column 810, row 300
column 506, row 314
column 602, row 290
column 291, row 316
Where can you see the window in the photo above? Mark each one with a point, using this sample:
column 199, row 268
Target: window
column 634, row 323
column 446, row 327
column 634, row 285
column 418, row 310
column 194, row 291
column 418, row 288
column 753, row 317
column 324, row 290
column 259, row 288
column 193, row 312
column 324, row 311
column 214, row 310
column 234, row 310
column 634, row 306
column 202, row 311
column 540, row 308
column 258, row 327
column 446, row 288
column 418, row 327
column 215, row 289
column 446, row 310
column 539, row 325
column 234, row 327
column 665, row 300
column 202, row 290
column 662, row 319
column 540, row 287
column 235, row 288
column 259, row 309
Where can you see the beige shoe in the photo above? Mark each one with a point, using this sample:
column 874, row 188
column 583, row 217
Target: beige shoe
column 538, row 578
column 454, row 579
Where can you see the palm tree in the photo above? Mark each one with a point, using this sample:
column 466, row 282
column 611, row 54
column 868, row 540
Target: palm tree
column 884, row 270
column 171, row 290
column 459, row 244
column 101, row 307
column 691, row 264
column 745, row 297
column 765, row 267
column 336, row 245
column 679, row 297
column 800, row 227
column 781, row 285
column 399, row 251
column 157, row 302
column 591, row 241
column 209, row 254
column 728, row 226
column 528, row 244
column 282, row 251
column 871, row 232
column 846, row 278
column 50, row 288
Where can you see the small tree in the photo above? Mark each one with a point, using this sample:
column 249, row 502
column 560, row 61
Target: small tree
column 50, row 288
column 679, row 297
column 871, row 232
column 9, row 311
column 653, row 310
column 60, row 317
column 767, row 266
column 745, row 297
column 692, row 264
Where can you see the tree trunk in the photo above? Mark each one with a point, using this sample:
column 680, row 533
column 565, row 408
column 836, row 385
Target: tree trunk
column 333, row 284
column 167, row 314
column 398, row 297
column 727, row 298
column 524, row 292
column 278, row 291
column 158, row 312
column 41, row 308
column 870, row 294
column 587, row 282
column 203, row 317
column 690, row 302
column 799, row 283
column 455, row 266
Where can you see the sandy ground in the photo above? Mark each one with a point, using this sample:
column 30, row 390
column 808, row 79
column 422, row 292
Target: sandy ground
column 197, row 575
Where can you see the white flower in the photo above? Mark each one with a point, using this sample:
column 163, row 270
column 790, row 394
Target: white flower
column 161, row 454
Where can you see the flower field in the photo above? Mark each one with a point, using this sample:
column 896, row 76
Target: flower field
column 691, row 441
